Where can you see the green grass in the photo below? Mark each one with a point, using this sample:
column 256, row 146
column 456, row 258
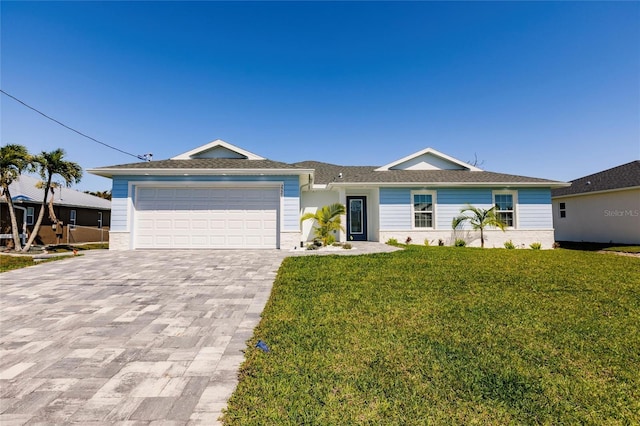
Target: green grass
column 442, row 335
column 7, row 263
column 624, row 249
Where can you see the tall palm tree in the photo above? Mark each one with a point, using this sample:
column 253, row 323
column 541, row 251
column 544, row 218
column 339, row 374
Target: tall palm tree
column 14, row 159
column 50, row 164
column 328, row 219
column 479, row 219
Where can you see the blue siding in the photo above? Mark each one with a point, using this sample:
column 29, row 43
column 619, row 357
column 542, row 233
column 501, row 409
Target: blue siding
column 451, row 200
column 395, row 209
column 534, row 208
column 291, row 202
column 534, row 196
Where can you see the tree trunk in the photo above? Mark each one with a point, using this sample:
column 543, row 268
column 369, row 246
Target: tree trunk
column 14, row 223
column 36, row 227
column 481, row 237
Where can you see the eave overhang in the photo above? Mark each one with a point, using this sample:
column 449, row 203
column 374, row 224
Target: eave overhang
column 450, row 184
column 109, row 173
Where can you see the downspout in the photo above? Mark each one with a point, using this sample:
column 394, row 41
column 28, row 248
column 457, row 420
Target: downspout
column 24, row 223
column 307, row 184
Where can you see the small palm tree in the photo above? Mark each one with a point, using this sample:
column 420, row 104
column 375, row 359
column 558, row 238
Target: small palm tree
column 14, row 159
column 328, row 220
column 479, row 219
column 50, row 164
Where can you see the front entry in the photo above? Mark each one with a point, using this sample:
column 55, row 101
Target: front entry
column 357, row 218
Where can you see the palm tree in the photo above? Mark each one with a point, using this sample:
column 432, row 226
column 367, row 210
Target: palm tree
column 50, row 164
column 328, row 219
column 479, row 219
column 14, row 159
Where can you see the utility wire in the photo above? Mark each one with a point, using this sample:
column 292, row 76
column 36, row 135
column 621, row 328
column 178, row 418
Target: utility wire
column 139, row 157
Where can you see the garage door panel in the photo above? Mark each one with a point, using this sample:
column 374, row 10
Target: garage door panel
column 206, row 218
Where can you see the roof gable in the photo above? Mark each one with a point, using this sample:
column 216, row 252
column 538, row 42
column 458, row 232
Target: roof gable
column 218, row 149
column 428, row 159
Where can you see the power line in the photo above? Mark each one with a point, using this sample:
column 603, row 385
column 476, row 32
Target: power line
column 146, row 157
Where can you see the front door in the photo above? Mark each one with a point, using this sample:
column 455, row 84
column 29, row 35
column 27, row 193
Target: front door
column 357, row 218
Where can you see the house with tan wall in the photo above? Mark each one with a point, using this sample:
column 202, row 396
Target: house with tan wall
column 603, row 207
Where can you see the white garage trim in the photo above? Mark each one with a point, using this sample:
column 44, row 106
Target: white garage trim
column 206, row 215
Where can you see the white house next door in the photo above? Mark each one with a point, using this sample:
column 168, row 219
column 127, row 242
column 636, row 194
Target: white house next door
column 198, row 218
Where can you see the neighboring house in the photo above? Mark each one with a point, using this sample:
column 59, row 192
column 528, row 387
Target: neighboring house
column 221, row 196
column 84, row 217
column 600, row 208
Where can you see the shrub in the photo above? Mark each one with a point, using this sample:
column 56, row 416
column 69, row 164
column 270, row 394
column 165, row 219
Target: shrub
column 536, row 246
column 426, row 242
column 408, row 241
column 329, row 240
column 460, row 242
column 509, row 245
column 392, row 242
column 346, row 246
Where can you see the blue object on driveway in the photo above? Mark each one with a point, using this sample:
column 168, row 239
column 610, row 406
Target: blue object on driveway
column 263, row 346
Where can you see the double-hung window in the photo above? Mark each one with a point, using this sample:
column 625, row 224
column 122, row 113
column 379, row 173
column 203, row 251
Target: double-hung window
column 563, row 210
column 505, row 204
column 72, row 219
column 423, row 206
column 30, row 215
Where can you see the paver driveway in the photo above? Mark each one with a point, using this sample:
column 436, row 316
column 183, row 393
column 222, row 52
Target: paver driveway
column 142, row 337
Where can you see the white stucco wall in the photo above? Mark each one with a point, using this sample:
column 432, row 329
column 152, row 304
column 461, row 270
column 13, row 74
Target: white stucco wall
column 309, row 203
column 606, row 217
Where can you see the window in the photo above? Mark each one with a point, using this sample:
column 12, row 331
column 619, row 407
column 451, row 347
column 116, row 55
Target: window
column 563, row 210
column 505, row 207
column 423, row 209
column 99, row 219
column 72, row 219
column 30, row 215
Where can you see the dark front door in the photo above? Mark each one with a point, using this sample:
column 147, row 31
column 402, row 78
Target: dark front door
column 357, row 218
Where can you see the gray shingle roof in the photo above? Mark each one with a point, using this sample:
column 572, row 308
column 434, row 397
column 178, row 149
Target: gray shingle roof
column 326, row 173
column 205, row 163
column 624, row 176
column 25, row 188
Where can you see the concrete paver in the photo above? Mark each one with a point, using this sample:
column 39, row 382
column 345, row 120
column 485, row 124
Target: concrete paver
column 140, row 337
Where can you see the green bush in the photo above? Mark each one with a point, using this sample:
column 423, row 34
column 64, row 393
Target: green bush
column 536, row 246
column 392, row 242
column 460, row 242
column 509, row 245
column 426, row 242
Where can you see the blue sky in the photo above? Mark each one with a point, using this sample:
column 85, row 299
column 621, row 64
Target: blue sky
column 544, row 89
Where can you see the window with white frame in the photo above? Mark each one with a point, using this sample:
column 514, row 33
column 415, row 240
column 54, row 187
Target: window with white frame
column 72, row 219
column 99, row 219
column 30, row 215
column 505, row 203
column 563, row 210
column 423, row 203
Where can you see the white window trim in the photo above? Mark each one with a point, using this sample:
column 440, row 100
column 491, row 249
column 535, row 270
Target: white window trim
column 514, row 195
column 73, row 219
column 433, row 210
column 31, row 217
column 99, row 220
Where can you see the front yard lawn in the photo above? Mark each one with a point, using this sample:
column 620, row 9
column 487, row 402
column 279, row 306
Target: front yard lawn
column 445, row 335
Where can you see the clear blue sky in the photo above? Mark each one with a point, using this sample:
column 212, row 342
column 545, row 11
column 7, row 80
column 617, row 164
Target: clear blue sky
column 544, row 89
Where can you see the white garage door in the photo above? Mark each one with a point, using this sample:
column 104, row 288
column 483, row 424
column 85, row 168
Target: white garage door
column 206, row 217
